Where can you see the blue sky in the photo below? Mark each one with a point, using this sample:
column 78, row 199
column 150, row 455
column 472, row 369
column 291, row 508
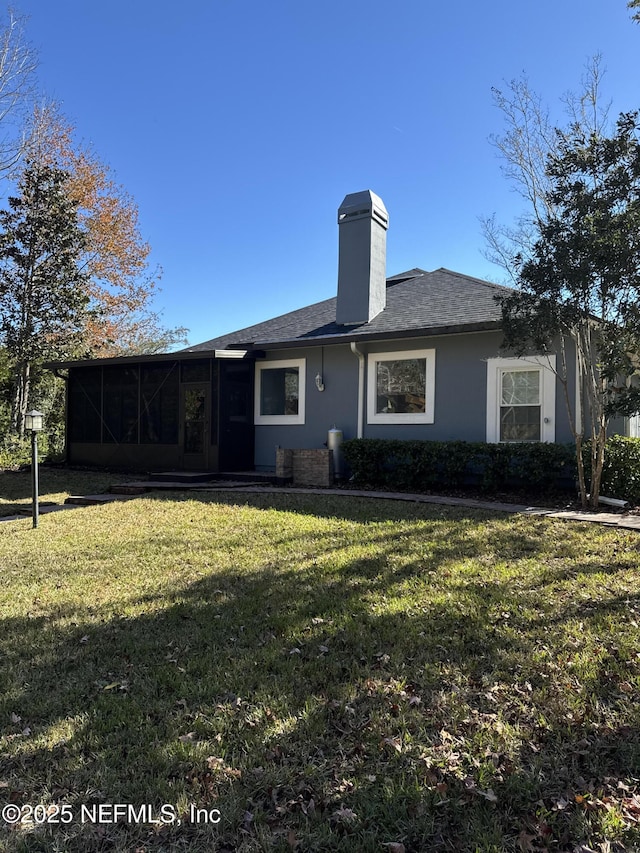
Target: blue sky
column 238, row 126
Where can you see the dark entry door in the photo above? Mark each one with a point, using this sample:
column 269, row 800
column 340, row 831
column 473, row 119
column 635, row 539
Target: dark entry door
column 194, row 426
column 236, row 416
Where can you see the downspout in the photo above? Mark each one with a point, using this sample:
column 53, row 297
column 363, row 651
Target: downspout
column 360, row 357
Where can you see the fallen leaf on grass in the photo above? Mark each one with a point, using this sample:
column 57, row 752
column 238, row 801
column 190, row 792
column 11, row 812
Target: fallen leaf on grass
column 215, row 763
column 631, row 808
column 394, row 743
column 345, row 815
column 470, row 785
column 116, row 685
column 394, row 847
column 188, row 738
column 488, row 795
column 525, row 842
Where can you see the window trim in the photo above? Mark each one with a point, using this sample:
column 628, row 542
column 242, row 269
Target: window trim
column 426, row 417
column 280, row 420
column 546, row 364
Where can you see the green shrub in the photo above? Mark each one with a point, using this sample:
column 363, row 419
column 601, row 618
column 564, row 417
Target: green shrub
column 14, row 452
column 621, row 471
column 392, row 463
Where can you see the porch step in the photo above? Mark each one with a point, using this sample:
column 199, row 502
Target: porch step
column 186, row 477
column 182, row 476
column 248, row 476
column 143, row 486
column 91, row 500
column 129, row 489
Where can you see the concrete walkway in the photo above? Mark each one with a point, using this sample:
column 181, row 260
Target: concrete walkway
column 611, row 519
column 129, row 491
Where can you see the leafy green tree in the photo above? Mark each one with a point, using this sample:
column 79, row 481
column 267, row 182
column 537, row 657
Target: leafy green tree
column 635, row 4
column 580, row 283
column 43, row 294
column 120, row 281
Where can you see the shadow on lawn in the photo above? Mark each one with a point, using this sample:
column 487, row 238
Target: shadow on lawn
column 311, row 710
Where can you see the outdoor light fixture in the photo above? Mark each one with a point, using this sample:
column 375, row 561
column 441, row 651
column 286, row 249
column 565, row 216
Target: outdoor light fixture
column 34, row 421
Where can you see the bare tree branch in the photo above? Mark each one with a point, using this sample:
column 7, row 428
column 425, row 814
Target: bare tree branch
column 18, row 64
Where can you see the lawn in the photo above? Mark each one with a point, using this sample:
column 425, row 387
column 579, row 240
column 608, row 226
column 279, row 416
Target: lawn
column 280, row 672
column 54, row 486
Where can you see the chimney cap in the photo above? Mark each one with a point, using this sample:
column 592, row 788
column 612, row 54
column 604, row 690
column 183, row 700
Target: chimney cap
column 361, row 205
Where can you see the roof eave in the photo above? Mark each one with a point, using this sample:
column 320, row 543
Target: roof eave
column 347, row 337
column 181, row 355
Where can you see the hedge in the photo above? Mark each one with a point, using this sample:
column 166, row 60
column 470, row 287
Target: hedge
column 621, row 471
column 419, row 465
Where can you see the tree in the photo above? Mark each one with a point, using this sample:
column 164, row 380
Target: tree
column 580, row 284
column 120, row 282
column 43, row 295
column 635, row 4
column 529, row 139
column 18, row 64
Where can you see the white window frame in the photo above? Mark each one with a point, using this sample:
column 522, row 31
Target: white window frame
column 280, row 420
column 546, row 364
column 426, row 417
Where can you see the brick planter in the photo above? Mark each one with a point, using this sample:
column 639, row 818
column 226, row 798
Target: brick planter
column 305, row 467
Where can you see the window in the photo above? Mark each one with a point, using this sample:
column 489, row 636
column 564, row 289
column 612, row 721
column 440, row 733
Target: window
column 521, row 399
column 520, row 405
column 401, row 387
column 280, row 389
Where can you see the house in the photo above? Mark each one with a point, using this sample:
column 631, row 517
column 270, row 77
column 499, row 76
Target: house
column 414, row 356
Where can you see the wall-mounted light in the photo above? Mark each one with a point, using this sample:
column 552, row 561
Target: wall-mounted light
column 319, row 382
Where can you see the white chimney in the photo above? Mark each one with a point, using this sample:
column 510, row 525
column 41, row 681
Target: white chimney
column 362, row 262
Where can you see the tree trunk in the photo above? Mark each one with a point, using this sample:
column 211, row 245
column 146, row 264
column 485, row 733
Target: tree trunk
column 582, row 485
column 20, row 405
column 597, row 464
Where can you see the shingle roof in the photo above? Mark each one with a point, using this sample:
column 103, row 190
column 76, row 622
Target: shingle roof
column 418, row 302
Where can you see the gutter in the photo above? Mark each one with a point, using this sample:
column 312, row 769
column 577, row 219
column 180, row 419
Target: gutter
column 360, row 357
column 179, row 355
column 389, row 335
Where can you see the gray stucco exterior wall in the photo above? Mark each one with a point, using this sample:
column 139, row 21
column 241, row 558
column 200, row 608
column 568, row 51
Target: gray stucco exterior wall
column 460, row 411
column 336, row 405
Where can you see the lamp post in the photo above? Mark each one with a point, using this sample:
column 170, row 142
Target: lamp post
column 33, row 421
